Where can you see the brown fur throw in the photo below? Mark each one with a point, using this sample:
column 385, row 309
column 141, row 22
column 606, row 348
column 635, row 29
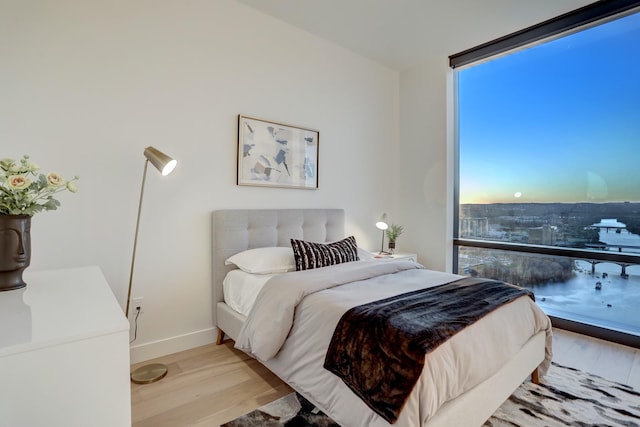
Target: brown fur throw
column 378, row 349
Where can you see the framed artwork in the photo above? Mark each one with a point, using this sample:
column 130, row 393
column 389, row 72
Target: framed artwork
column 276, row 155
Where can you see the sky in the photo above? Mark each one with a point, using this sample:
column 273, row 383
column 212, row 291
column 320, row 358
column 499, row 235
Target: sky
column 557, row 122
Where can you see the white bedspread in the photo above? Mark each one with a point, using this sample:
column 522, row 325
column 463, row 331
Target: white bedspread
column 295, row 314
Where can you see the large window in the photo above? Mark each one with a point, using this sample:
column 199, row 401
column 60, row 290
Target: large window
column 548, row 172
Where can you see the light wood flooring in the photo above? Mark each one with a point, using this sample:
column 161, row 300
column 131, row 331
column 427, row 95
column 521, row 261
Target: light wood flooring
column 210, row 385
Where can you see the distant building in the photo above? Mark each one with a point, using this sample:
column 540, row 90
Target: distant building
column 545, row 235
column 474, row 227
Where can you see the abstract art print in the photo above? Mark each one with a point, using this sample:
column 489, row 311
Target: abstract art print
column 276, row 155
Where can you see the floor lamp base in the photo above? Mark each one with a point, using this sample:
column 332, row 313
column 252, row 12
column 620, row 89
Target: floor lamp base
column 148, row 374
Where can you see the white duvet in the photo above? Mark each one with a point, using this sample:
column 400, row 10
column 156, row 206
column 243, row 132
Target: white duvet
column 295, row 314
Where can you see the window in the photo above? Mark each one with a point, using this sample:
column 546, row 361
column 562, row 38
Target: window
column 548, row 166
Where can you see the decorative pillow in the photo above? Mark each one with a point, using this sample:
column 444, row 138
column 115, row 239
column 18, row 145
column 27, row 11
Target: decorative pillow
column 267, row 260
column 310, row 255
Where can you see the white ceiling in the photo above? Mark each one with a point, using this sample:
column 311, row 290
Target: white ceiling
column 400, row 33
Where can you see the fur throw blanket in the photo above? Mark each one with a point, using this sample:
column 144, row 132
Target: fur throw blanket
column 378, row 349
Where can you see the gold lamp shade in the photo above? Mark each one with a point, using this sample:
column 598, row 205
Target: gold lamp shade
column 161, row 161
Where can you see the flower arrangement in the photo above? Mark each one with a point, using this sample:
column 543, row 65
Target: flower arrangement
column 24, row 191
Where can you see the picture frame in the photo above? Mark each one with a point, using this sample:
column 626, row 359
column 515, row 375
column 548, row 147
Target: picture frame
column 272, row 154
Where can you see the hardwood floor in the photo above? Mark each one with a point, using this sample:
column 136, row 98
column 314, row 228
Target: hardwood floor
column 210, row 385
column 205, row 386
column 612, row 361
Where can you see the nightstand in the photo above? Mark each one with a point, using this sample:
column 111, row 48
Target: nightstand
column 398, row 256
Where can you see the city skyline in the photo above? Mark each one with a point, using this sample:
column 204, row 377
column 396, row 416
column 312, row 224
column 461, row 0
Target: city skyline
column 557, row 122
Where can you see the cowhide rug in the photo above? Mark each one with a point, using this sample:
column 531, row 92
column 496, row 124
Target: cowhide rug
column 565, row 397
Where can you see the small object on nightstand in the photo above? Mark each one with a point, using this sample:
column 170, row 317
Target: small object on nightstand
column 393, row 232
column 398, row 256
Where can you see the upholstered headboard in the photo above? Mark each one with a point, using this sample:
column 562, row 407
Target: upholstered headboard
column 238, row 230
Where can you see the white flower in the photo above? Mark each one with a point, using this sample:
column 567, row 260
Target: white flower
column 9, row 165
column 71, row 186
column 30, row 167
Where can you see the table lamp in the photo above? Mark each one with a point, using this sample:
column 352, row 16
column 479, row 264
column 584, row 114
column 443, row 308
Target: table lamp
column 382, row 225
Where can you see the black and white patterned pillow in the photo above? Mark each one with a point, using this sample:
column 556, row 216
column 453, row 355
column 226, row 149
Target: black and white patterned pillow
column 310, row 255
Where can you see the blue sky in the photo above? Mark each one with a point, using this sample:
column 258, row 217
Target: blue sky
column 558, row 122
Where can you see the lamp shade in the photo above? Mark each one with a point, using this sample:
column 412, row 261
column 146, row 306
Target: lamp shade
column 382, row 222
column 161, row 161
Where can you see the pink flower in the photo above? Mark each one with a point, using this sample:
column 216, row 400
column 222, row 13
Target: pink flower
column 18, row 182
column 54, row 179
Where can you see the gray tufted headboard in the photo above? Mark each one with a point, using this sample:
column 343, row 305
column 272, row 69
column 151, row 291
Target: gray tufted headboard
column 238, row 230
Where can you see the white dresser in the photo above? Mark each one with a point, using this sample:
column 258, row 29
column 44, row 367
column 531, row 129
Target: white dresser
column 64, row 352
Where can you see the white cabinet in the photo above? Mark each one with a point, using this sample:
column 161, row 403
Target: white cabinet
column 64, row 352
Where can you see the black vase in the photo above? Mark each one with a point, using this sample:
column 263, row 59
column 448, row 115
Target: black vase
column 15, row 250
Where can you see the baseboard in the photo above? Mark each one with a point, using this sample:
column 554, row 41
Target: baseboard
column 151, row 350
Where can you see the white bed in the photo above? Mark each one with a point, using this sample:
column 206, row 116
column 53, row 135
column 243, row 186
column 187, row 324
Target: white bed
column 300, row 365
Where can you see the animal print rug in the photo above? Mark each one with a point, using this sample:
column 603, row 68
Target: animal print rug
column 565, row 397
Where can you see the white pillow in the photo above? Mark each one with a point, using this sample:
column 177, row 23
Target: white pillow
column 364, row 254
column 264, row 260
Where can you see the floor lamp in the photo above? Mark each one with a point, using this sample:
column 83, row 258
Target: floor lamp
column 165, row 165
column 382, row 225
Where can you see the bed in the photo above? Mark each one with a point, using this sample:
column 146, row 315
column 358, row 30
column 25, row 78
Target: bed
column 299, row 361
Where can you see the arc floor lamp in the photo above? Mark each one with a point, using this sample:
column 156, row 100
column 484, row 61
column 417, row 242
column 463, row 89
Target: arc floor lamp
column 165, row 165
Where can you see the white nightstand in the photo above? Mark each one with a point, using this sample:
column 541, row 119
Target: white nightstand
column 397, row 256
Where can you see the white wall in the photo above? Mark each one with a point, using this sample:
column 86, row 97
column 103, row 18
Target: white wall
column 425, row 194
column 86, row 85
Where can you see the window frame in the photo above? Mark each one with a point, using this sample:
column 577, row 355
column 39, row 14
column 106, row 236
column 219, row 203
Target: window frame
column 592, row 14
